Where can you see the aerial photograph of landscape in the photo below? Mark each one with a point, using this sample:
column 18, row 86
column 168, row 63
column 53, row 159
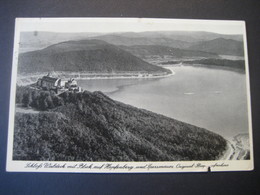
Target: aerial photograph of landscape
column 130, row 91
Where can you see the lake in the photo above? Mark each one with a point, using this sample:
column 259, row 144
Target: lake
column 214, row 99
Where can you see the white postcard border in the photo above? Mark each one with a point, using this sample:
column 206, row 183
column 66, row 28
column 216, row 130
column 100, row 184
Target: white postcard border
column 121, row 167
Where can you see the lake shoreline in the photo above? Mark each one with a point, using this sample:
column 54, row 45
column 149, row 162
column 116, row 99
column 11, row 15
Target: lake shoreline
column 237, row 148
column 237, row 70
column 29, row 79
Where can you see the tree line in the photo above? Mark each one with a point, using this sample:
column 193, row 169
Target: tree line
column 38, row 99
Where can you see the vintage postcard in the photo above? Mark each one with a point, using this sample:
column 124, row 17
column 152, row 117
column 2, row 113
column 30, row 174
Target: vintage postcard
column 128, row 95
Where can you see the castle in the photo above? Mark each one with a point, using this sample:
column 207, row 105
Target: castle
column 56, row 84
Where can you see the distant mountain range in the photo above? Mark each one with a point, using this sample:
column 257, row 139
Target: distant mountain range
column 143, row 40
column 118, row 51
column 30, row 41
column 187, row 36
column 220, row 46
column 175, row 39
column 84, row 55
column 144, row 51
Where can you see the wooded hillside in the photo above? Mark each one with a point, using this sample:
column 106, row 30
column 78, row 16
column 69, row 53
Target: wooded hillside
column 92, row 127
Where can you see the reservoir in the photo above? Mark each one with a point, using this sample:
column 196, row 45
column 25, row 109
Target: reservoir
column 214, row 99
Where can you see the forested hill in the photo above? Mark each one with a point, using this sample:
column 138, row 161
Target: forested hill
column 220, row 46
column 92, row 127
column 84, row 55
column 234, row 64
column 211, row 62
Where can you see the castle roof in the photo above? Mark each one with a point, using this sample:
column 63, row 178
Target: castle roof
column 49, row 79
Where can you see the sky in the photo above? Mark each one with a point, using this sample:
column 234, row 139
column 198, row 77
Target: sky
column 108, row 25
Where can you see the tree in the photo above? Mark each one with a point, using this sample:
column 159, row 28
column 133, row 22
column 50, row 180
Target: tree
column 27, row 99
column 43, row 104
column 57, row 101
column 49, row 101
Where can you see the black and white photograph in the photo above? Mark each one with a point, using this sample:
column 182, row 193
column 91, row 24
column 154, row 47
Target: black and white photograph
column 129, row 95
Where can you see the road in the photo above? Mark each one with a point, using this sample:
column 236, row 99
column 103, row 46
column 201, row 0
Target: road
column 237, row 148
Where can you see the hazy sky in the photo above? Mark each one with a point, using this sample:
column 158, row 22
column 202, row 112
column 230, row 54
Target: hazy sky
column 128, row 25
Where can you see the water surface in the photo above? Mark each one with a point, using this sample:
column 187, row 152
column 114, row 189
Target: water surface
column 211, row 98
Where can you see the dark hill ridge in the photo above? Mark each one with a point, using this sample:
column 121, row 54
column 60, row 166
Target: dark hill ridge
column 220, row 46
column 238, row 65
column 68, row 46
column 84, row 55
column 144, row 51
column 92, row 127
